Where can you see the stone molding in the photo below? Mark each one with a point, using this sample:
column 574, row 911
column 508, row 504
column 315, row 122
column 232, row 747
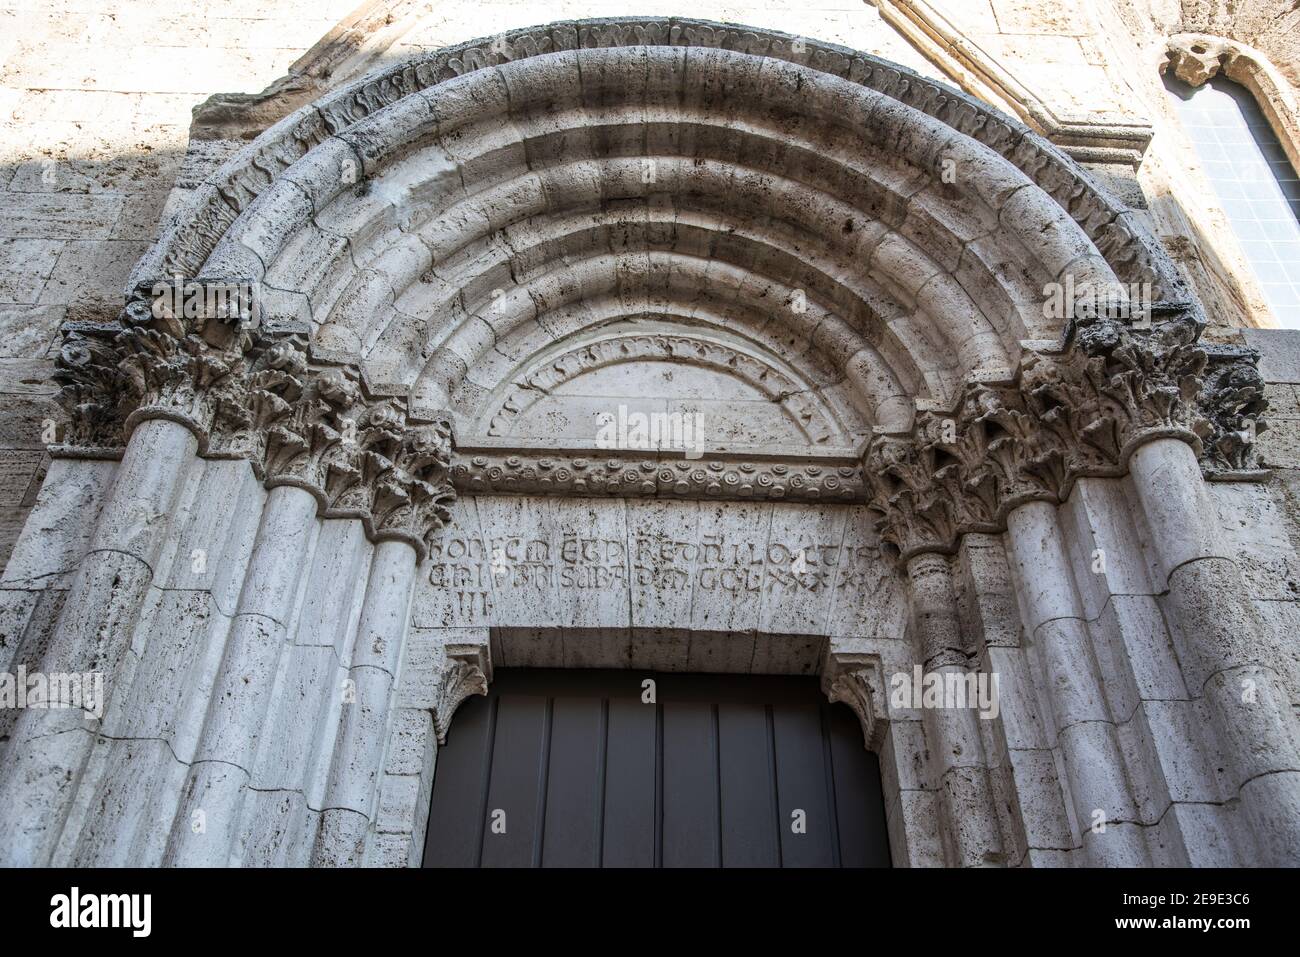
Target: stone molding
column 1080, row 410
column 773, row 383
column 1086, row 138
column 1197, row 57
column 352, row 47
column 189, row 240
column 261, row 395
column 793, row 476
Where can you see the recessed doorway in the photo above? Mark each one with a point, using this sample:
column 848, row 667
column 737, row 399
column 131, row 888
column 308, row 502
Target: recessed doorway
column 633, row 769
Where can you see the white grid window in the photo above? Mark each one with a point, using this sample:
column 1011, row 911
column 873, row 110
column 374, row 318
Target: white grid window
column 1255, row 183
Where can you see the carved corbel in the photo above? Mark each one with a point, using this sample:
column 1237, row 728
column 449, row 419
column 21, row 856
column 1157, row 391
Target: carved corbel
column 468, row 671
column 858, row 681
column 1232, row 401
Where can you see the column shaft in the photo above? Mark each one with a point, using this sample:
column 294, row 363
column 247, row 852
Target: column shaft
column 206, row 826
column 1222, row 645
column 358, row 764
column 1099, row 789
column 954, row 733
column 49, row 748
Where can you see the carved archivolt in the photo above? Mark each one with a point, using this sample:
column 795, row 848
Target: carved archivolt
column 1077, row 412
column 305, row 420
column 186, row 246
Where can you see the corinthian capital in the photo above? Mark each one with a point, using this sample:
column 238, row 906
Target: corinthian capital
column 1079, row 410
column 148, row 364
column 260, row 395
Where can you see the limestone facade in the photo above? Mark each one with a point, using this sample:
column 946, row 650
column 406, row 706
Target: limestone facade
column 292, row 546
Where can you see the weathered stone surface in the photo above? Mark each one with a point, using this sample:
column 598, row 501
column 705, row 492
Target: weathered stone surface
column 604, row 567
column 760, row 233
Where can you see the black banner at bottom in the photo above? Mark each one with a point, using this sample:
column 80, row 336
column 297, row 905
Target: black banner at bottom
column 385, row 908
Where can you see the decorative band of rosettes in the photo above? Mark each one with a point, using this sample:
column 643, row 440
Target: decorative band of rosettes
column 794, row 477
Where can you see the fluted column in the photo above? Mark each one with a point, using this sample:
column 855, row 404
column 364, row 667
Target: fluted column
column 359, row 750
column 1222, row 645
column 49, row 749
column 953, row 732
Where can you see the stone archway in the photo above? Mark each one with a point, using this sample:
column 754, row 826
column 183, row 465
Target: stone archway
column 865, row 250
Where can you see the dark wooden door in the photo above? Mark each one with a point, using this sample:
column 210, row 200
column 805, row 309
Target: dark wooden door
column 574, row 769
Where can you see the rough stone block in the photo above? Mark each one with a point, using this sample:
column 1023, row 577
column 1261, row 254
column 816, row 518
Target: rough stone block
column 1279, row 353
column 59, row 529
column 411, row 742
column 1253, row 523
column 1042, row 806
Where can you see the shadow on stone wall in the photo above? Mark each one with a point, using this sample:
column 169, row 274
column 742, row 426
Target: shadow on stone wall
column 70, row 232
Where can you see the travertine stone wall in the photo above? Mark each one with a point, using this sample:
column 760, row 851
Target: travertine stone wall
column 1106, row 703
column 95, row 109
column 279, row 682
column 96, row 100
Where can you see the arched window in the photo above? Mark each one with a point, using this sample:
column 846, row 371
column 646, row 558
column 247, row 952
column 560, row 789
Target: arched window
column 1256, row 184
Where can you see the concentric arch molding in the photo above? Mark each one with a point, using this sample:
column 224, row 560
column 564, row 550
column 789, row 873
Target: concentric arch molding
column 784, row 387
column 192, row 236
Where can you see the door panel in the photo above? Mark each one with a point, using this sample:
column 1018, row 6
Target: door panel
column 516, row 789
column 573, row 784
column 750, row 829
column 631, row 797
column 801, row 781
column 573, row 769
column 690, row 785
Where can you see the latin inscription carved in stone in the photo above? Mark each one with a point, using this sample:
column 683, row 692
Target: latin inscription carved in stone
column 474, row 579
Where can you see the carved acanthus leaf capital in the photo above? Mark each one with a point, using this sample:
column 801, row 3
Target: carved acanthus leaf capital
column 260, row 395
column 1064, row 414
column 114, row 374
